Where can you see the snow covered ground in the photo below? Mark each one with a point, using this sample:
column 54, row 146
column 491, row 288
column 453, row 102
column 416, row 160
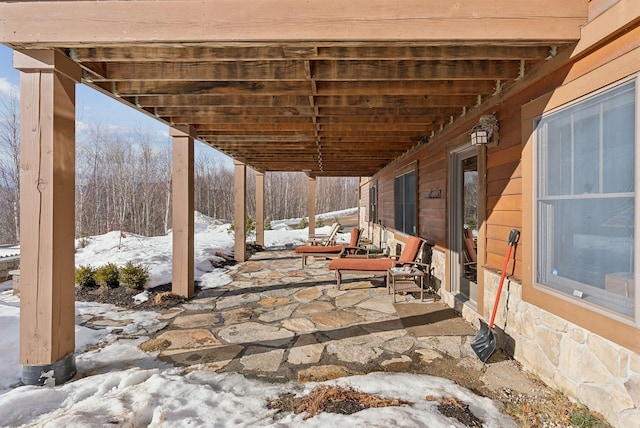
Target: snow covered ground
column 120, row 385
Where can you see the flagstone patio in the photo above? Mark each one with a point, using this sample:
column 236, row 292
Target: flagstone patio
column 279, row 322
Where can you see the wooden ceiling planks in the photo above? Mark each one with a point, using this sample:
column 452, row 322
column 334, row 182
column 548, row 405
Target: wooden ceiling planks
column 296, row 86
column 280, row 106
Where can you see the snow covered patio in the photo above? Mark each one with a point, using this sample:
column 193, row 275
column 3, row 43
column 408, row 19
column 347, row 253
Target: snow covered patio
column 275, row 328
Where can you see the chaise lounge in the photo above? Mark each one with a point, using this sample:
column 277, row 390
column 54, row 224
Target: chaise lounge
column 325, row 239
column 376, row 266
column 330, row 251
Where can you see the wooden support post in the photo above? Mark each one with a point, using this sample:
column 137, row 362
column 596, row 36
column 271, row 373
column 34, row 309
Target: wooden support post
column 240, row 210
column 311, row 205
column 260, row 209
column 47, row 226
column 182, row 282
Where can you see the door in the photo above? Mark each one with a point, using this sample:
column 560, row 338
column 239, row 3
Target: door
column 463, row 221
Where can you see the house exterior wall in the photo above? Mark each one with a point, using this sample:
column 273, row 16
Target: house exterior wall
column 588, row 355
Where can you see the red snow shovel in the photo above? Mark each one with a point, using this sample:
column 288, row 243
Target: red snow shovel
column 484, row 344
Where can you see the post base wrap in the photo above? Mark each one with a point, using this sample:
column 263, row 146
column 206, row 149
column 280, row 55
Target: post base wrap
column 50, row 374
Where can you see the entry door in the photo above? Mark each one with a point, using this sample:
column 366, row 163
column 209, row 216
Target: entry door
column 463, row 221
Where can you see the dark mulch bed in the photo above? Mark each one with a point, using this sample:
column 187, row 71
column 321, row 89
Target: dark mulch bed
column 160, row 297
column 346, row 401
column 331, row 399
column 454, row 409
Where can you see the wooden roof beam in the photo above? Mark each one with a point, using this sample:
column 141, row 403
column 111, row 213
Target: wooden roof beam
column 379, row 87
column 187, row 100
column 249, row 110
column 406, row 87
column 214, row 120
column 253, row 138
column 387, row 111
column 170, row 87
column 254, row 128
column 370, row 140
column 224, row 120
column 356, row 70
column 397, row 101
column 273, row 52
column 383, row 119
column 24, row 22
column 361, row 101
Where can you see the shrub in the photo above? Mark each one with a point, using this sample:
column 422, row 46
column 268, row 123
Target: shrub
column 303, row 223
column 108, row 276
column 83, row 239
column 250, row 226
column 336, row 220
column 133, row 276
column 85, row 276
column 267, row 223
column 319, row 223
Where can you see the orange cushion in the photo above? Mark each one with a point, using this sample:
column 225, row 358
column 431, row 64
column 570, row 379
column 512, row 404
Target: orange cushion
column 410, row 250
column 348, row 263
column 319, row 249
column 355, row 237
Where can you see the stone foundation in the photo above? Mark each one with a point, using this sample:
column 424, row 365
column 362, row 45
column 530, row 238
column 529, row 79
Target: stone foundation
column 15, row 276
column 586, row 367
column 8, row 264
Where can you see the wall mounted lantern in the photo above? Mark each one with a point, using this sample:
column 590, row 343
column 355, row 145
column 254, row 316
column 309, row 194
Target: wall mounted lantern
column 486, row 131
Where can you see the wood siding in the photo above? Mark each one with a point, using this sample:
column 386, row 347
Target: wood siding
column 503, row 162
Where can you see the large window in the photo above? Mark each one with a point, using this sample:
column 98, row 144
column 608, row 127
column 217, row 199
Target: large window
column 585, row 200
column 405, row 202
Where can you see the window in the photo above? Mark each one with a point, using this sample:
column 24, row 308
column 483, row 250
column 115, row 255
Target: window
column 585, row 200
column 373, row 203
column 405, row 202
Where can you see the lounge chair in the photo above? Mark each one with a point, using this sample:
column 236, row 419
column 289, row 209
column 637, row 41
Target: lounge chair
column 330, row 251
column 325, row 239
column 376, row 266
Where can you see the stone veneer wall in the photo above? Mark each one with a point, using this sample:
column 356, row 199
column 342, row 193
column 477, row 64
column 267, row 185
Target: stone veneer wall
column 8, row 264
column 586, row 367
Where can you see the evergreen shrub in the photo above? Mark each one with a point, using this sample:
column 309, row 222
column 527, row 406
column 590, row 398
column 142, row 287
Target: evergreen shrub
column 133, row 276
column 108, row 276
column 85, row 276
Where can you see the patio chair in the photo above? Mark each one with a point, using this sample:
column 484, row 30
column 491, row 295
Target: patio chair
column 330, row 251
column 376, row 266
column 325, row 239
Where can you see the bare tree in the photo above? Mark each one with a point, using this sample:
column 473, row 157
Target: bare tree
column 10, row 167
column 123, row 182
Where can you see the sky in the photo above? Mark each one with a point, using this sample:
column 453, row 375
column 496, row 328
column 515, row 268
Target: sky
column 93, row 107
column 120, row 385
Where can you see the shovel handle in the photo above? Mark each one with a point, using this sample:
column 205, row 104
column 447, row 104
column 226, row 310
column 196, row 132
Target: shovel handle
column 514, row 235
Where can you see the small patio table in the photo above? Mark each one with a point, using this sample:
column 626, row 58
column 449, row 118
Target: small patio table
column 405, row 279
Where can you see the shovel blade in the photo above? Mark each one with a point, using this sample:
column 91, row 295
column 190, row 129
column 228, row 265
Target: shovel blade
column 484, row 344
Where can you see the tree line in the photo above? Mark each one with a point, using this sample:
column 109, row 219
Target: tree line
column 123, row 182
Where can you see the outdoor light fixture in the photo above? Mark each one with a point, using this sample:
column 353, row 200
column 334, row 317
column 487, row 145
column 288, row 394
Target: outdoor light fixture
column 486, row 131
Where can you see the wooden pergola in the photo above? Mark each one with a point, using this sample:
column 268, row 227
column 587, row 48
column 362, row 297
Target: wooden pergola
column 330, row 88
